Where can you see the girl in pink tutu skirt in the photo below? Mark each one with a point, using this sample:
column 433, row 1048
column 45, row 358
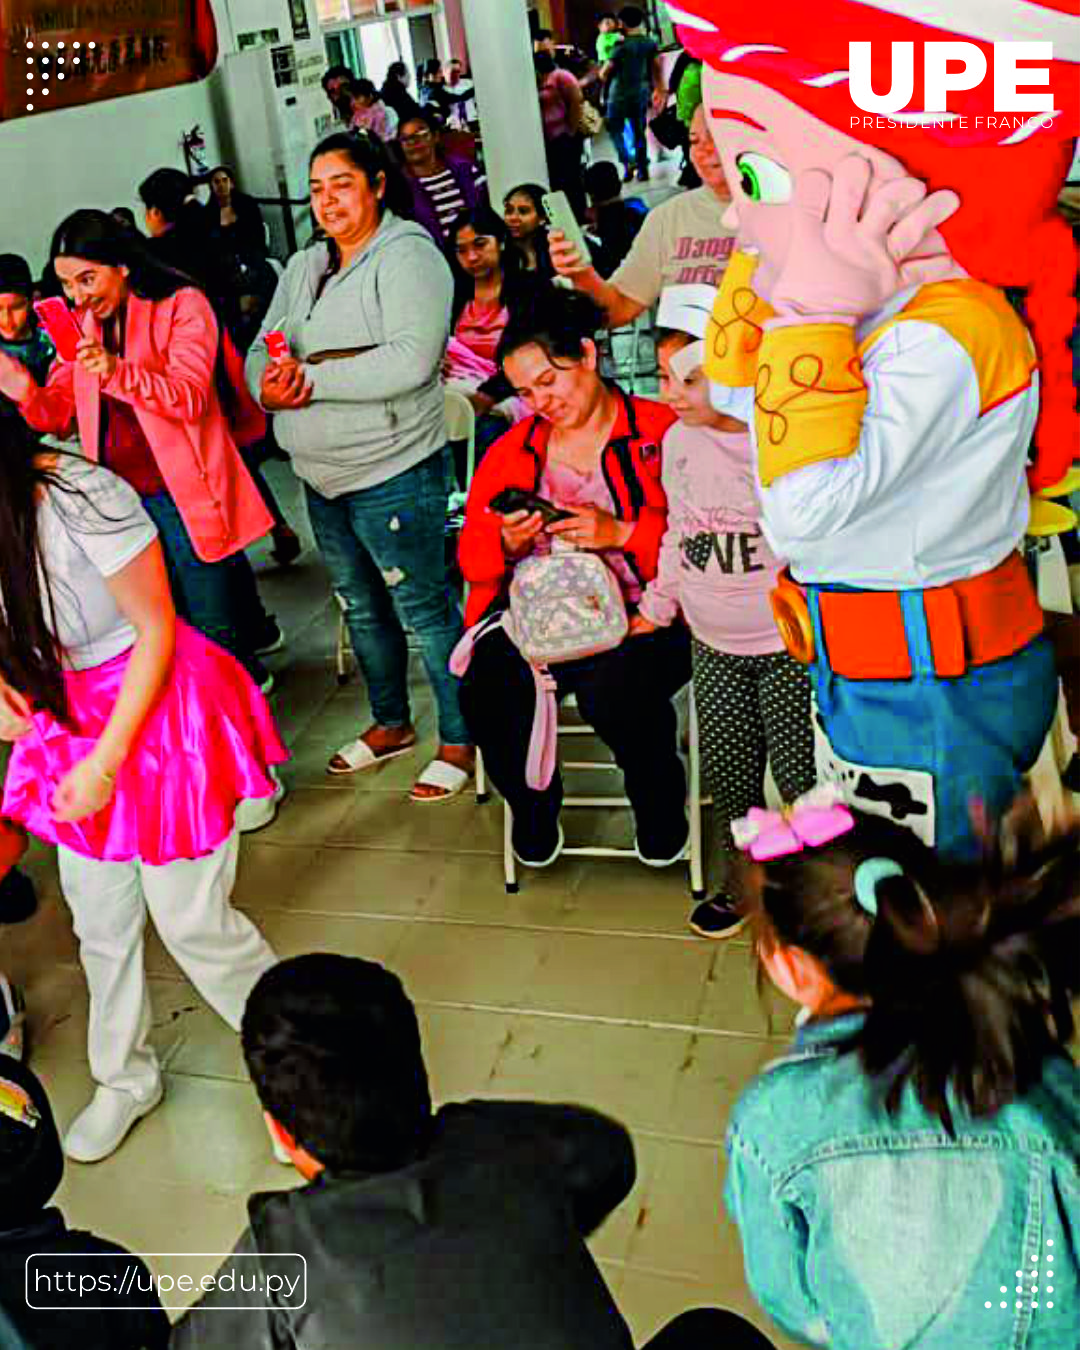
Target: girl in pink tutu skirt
column 135, row 738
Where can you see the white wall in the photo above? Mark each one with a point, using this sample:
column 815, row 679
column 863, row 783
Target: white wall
column 96, row 155
column 382, row 44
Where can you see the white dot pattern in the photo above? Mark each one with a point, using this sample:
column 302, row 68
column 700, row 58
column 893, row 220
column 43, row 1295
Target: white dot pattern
column 752, row 711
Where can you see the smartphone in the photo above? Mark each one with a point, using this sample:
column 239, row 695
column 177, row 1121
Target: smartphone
column 509, row 500
column 277, row 345
column 561, row 215
column 58, row 320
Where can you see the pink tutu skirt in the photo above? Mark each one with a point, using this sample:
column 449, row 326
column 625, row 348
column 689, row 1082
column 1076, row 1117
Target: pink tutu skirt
column 207, row 745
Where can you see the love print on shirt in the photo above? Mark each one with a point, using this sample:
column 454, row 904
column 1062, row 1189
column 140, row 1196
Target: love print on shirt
column 734, row 551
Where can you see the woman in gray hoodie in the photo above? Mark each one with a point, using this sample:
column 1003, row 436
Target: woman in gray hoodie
column 358, row 406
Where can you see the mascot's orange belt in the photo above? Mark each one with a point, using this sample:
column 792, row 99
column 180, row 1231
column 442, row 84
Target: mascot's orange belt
column 971, row 622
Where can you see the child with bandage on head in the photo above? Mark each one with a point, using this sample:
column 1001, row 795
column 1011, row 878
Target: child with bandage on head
column 716, row 567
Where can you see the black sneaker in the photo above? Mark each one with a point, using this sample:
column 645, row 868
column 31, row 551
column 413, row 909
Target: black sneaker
column 717, row 918
column 539, row 854
column 17, row 898
column 658, row 854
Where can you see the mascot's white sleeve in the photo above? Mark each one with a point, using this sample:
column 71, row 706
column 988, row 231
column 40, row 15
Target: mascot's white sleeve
column 935, row 489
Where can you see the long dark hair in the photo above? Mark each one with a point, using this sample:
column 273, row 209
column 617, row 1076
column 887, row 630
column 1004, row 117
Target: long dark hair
column 485, row 221
column 558, row 321
column 536, row 193
column 968, row 969
column 29, row 656
column 97, row 237
column 366, row 152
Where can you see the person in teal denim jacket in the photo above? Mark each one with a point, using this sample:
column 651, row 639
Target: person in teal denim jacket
column 907, row 1177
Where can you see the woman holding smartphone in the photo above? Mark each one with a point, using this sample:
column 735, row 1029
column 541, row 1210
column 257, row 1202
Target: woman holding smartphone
column 593, row 453
column 142, row 391
column 359, row 408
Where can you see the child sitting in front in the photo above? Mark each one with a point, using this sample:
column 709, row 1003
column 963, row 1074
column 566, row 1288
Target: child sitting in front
column 908, row 1175
column 753, row 700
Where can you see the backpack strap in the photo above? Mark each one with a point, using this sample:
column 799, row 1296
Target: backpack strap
column 543, row 738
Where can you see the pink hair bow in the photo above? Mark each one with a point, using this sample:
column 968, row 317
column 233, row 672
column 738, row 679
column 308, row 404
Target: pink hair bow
column 815, row 818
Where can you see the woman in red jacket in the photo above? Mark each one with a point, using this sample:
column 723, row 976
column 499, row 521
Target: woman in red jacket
column 594, row 451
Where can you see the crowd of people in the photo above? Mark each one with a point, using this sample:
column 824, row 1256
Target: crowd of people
column 927, row 1118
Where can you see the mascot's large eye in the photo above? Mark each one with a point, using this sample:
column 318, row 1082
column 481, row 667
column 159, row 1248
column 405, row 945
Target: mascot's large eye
column 762, row 179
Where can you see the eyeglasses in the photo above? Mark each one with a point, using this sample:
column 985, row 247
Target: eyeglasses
column 418, row 137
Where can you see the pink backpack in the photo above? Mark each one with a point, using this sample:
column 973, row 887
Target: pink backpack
column 564, row 606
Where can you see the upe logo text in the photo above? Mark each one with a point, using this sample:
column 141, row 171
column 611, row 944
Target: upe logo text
column 969, row 70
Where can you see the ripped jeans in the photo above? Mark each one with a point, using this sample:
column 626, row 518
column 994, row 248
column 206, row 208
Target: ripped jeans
column 385, row 552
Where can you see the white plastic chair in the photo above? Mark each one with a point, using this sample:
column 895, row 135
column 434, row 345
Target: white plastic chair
column 695, row 801
column 461, row 426
column 642, row 332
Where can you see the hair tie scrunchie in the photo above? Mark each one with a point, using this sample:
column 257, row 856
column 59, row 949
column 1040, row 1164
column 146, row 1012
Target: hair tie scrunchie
column 871, row 873
column 867, row 876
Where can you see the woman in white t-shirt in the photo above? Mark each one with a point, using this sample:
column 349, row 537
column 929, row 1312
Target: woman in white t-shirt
column 135, row 740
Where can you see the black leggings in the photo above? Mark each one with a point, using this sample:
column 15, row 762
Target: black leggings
column 752, row 711
column 624, row 695
column 709, row 1329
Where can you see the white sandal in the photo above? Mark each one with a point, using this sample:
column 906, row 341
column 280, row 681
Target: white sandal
column 358, row 755
column 441, row 774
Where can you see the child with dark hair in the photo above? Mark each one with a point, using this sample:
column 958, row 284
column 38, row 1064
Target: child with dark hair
column 421, row 1230
column 20, row 334
column 370, row 113
column 614, row 223
column 909, row 1173
column 43, row 1262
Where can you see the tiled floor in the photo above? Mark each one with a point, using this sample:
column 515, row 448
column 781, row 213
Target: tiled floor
column 586, row 986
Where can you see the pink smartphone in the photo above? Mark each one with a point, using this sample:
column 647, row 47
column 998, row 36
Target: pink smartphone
column 60, row 323
column 277, row 345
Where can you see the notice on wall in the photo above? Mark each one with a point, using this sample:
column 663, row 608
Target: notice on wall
column 298, row 15
column 264, row 37
column 310, row 69
column 284, row 65
column 67, row 53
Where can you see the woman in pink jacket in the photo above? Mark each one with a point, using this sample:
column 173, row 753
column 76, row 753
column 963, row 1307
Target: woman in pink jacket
column 142, row 391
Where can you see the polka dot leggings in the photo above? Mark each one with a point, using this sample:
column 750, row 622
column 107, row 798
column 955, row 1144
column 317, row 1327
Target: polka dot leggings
column 752, row 711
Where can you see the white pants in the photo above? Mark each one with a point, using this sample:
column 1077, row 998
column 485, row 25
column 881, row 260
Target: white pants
column 220, row 950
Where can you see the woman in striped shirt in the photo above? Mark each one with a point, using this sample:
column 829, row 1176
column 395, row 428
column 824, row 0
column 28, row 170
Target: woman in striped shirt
column 442, row 186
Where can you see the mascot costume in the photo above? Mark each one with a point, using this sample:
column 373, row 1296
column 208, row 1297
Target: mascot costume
column 893, row 393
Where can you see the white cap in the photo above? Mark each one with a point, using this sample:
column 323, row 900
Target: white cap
column 686, row 309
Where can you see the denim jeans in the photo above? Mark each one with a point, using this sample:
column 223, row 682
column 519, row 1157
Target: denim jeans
column 384, row 548
column 619, row 117
column 220, row 599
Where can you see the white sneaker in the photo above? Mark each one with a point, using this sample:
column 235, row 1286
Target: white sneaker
column 101, row 1127
column 255, row 813
column 12, row 1019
